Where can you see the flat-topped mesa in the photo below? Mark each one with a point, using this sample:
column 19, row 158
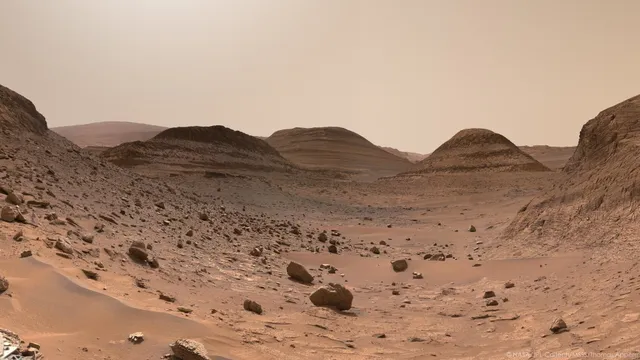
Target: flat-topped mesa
column 335, row 148
column 473, row 150
column 218, row 135
column 596, row 204
column 18, row 114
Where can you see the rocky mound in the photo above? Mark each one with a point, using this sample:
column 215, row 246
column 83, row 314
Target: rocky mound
column 18, row 113
column 218, row 135
column 596, row 203
column 337, row 149
column 108, row 133
column 473, row 150
column 199, row 148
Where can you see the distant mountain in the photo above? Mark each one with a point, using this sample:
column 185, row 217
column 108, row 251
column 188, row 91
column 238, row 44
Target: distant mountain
column 108, row 133
column 411, row 156
column 336, row 148
column 473, row 150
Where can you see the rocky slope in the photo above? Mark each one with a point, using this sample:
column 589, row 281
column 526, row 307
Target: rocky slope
column 595, row 203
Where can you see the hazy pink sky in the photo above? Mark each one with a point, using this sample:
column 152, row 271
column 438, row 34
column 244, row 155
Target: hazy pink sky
column 402, row 73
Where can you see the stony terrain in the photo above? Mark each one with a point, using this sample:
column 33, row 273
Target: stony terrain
column 104, row 262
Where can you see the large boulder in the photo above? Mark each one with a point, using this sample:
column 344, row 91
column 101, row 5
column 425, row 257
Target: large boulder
column 187, row 349
column 9, row 213
column 333, row 295
column 14, row 198
column 138, row 251
column 399, row 265
column 298, row 272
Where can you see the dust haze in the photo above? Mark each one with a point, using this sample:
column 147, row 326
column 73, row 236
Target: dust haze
column 319, row 180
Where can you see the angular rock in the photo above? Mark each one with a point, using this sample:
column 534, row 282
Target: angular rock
column 375, row 250
column 4, row 284
column 334, row 295
column 488, row 294
column 187, row 349
column 472, row 228
column 64, row 246
column 399, row 265
column 558, row 326
column 88, row 238
column 136, row 338
column 138, row 253
column 298, row 272
column 509, row 285
column 90, row 274
column 9, row 213
column 15, row 199
column 252, row 306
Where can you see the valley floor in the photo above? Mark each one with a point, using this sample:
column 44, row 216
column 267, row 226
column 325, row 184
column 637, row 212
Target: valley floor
column 443, row 315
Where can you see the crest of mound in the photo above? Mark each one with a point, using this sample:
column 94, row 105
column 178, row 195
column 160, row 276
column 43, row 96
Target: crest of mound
column 335, row 148
column 197, row 148
column 218, row 135
column 596, row 203
column 18, row 114
column 473, row 150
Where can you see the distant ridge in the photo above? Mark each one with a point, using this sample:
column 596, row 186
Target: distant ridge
column 108, row 133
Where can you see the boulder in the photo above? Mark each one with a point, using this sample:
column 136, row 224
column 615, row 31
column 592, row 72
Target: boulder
column 334, row 295
column 187, row 349
column 4, row 284
column 399, row 265
column 9, row 213
column 298, row 272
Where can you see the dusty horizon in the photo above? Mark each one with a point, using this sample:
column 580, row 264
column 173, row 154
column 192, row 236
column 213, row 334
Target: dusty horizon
column 534, row 72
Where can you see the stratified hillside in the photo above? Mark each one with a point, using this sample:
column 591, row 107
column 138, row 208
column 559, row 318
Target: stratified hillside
column 473, row 150
column 108, row 133
column 335, row 148
column 553, row 157
column 197, row 148
column 596, row 204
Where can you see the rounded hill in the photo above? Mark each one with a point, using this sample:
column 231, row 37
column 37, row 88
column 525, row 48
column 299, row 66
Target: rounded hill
column 218, row 135
column 473, row 150
column 335, row 148
column 196, row 148
column 596, row 203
